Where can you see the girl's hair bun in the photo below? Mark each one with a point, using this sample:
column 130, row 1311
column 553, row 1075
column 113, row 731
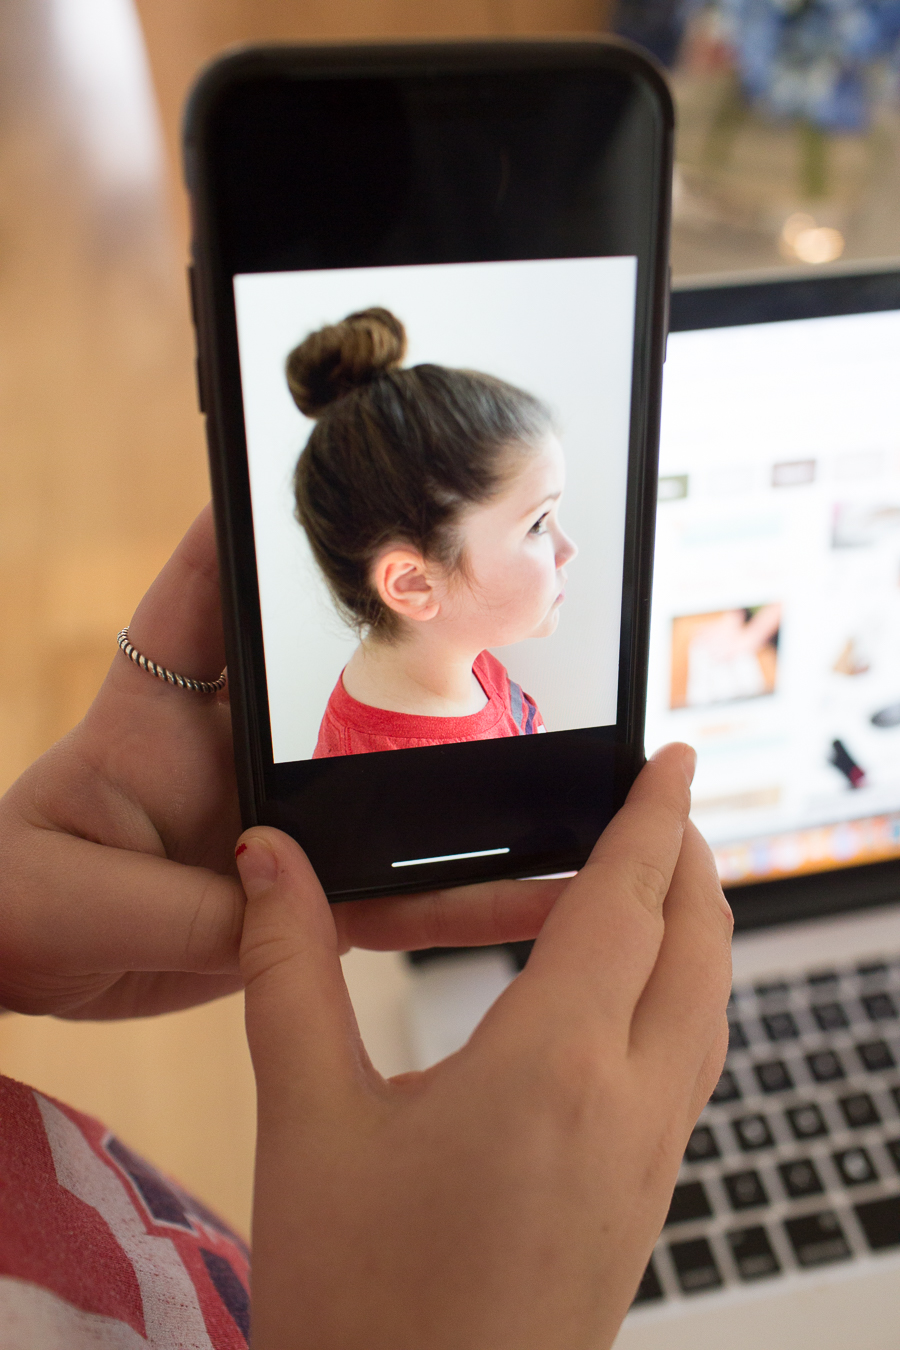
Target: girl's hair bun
column 344, row 356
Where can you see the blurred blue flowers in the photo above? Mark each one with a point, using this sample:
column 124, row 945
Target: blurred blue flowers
column 808, row 60
column 811, row 59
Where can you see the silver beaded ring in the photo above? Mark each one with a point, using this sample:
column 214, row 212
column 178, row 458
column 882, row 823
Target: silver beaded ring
column 182, row 681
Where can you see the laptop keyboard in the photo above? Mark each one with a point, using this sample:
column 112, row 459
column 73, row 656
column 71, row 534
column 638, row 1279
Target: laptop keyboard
column 795, row 1162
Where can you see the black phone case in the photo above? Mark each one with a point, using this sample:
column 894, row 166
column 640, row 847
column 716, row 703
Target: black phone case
column 552, row 805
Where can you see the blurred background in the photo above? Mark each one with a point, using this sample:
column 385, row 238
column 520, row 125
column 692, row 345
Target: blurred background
column 789, row 129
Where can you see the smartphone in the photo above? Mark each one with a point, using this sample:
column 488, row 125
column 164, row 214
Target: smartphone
column 430, row 290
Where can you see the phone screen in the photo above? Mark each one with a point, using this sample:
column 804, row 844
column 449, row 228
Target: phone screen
column 541, row 591
column 427, row 308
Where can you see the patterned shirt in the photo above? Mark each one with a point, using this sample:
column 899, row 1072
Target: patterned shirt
column 98, row 1251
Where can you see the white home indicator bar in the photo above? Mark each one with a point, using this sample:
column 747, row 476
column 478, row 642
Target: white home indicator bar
column 450, row 857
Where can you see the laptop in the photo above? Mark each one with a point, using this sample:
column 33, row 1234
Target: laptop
column 775, row 651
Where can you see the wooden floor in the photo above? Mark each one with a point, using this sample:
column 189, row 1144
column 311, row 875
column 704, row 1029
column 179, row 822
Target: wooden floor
column 104, row 466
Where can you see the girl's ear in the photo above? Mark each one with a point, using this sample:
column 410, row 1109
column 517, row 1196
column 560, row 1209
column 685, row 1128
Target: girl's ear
column 404, row 582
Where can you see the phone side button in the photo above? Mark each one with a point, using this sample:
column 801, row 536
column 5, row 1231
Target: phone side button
column 667, row 316
column 201, row 403
column 192, row 292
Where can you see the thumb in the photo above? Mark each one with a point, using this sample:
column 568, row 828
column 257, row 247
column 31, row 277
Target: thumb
column 301, row 1027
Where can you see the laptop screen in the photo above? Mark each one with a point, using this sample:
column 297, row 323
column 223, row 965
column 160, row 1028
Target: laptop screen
column 775, row 645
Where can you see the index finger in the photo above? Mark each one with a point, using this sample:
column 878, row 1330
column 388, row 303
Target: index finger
column 178, row 623
column 481, row 915
column 600, row 943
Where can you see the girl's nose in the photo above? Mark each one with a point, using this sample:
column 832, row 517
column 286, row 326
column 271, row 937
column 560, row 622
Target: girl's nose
column 566, row 550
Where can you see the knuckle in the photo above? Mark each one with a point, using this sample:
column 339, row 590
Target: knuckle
column 648, row 884
column 711, row 1069
column 264, row 950
column 441, row 912
column 576, row 1082
column 196, row 553
column 214, row 931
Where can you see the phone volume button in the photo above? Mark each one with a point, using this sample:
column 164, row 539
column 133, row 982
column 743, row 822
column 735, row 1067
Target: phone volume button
column 198, row 370
column 192, row 292
column 667, row 316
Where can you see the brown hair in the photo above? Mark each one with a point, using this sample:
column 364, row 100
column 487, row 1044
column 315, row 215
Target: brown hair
column 395, row 454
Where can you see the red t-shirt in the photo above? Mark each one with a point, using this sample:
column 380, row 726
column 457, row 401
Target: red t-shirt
column 353, row 728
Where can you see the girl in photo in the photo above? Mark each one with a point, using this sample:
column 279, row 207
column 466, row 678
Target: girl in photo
column 430, row 498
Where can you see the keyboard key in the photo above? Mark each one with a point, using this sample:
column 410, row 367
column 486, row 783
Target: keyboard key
column 893, row 1148
column 737, row 1036
column 859, row 1111
column 695, row 1266
column 752, row 1132
column 875, row 969
column 701, row 1145
column 817, row 1239
column 880, row 1221
column 800, row 1178
column 781, row 1026
column 689, row 1201
column 825, row 1066
column 649, row 1289
column 745, row 1190
column 752, row 1252
column 876, row 1056
column 880, row 1007
column 830, row 1016
column 773, row 1076
column 822, row 977
column 778, row 989
column 807, row 1121
column 855, row 1167
column 727, row 1088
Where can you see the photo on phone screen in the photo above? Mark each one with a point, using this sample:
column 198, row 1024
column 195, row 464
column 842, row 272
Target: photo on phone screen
column 440, row 538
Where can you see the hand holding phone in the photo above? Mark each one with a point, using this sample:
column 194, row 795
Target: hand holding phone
column 511, row 1195
column 118, row 890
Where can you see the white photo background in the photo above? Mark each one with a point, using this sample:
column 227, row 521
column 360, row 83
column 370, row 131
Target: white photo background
column 563, row 330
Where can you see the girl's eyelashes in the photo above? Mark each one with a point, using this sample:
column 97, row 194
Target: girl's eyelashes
column 539, row 527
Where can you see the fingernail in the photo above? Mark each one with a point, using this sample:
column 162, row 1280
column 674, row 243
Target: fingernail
column 257, row 864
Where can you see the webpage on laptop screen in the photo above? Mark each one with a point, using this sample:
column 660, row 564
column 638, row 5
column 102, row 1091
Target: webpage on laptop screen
column 775, row 644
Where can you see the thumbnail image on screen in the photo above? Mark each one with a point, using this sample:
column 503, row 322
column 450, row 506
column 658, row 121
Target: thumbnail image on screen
column 717, row 658
column 438, row 460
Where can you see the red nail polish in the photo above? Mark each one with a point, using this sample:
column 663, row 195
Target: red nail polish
column 241, row 848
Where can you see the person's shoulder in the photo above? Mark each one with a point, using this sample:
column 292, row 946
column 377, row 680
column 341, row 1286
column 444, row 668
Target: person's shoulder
column 331, row 740
column 491, row 674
